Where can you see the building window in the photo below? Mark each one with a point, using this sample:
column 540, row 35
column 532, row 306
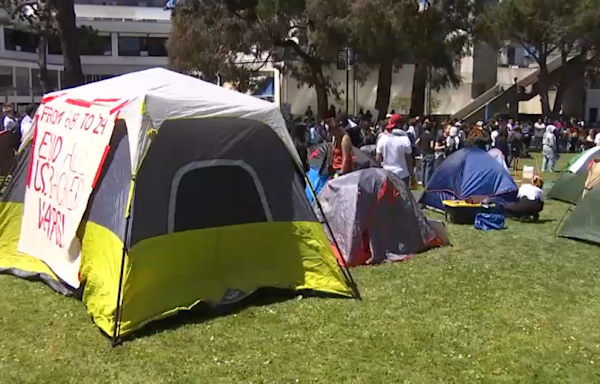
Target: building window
column 20, row 41
column 156, row 46
column 130, row 46
column 99, row 45
column 6, row 81
column 22, row 81
column 94, row 78
column 54, row 47
column 52, row 81
column 142, row 46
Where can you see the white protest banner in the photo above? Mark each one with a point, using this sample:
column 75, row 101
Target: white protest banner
column 70, row 144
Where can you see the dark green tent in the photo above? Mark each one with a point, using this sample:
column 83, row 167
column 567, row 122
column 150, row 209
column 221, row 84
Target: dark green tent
column 584, row 222
column 569, row 187
column 571, row 183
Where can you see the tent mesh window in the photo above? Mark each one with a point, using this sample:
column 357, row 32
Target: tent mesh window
column 217, row 196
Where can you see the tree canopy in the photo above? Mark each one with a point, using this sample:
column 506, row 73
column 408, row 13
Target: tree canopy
column 45, row 19
column 236, row 38
column 545, row 29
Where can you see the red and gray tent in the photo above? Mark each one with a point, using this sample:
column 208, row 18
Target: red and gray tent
column 374, row 218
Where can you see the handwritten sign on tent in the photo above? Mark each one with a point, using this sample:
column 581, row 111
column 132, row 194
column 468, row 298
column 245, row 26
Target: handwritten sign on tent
column 70, row 144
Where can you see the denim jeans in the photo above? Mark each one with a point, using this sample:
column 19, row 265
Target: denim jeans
column 427, row 164
column 549, row 160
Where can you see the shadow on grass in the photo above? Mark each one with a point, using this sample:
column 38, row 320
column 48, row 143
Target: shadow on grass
column 204, row 312
column 535, row 222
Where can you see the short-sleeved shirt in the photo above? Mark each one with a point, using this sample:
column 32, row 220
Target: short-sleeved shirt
column 394, row 149
column 531, row 192
column 425, row 141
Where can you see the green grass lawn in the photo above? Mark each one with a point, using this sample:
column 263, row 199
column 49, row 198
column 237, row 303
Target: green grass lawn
column 518, row 305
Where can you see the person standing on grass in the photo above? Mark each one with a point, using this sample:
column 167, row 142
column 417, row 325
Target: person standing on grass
column 426, row 145
column 341, row 146
column 549, row 149
column 539, row 129
column 394, row 150
column 440, row 146
column 515, row 141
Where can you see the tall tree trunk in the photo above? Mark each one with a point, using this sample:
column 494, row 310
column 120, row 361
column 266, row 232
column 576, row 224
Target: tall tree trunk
column 384, row 85
column 561, row 87
column 69, row 41
column 573, row 104
column 43, row 63
column 320, row 85
column 417, row 102
column 544, row 87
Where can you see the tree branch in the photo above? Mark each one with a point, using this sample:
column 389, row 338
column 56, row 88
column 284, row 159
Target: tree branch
column 19, row 8
column 310, row 60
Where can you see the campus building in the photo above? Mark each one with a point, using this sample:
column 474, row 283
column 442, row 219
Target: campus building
column 132, row 35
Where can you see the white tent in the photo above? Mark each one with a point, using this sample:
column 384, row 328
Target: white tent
column 154, row 95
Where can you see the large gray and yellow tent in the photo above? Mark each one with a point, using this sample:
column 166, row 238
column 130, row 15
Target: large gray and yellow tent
column 199, row 200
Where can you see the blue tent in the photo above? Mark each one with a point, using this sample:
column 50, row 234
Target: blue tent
column 469, row 172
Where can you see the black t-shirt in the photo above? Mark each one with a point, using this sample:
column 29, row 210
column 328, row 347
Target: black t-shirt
column 425, row 140
column 441, row 140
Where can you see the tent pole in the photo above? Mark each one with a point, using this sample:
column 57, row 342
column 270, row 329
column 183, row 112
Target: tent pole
column 343, row 266
column 570, row 209
column 119, row 311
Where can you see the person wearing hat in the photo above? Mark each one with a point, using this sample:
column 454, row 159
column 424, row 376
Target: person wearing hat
column 394, row 150
column 9, row 121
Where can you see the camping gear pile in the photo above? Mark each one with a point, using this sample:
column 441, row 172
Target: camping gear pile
column 199, row 200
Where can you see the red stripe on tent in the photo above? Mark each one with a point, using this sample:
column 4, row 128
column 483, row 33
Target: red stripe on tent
column 35, row 131
column 118, row 107
column 99, row 170
column 106, row 100
column 80, row 103
column 48, row 99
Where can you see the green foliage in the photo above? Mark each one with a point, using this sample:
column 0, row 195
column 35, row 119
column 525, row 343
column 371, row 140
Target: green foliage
column 213, row 36
column 543, row 27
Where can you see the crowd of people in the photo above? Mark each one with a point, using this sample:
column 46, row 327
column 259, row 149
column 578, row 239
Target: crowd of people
column 412, row 147
column 14, row 126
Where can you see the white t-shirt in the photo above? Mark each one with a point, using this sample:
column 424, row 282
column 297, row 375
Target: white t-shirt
column 8, row 123
column 597, row 139
column 539, row 129
column 26, row 124
column 394, row 149
column 531, row 192
column 493, row 137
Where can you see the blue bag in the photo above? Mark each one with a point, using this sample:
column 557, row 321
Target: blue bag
column 489, row 221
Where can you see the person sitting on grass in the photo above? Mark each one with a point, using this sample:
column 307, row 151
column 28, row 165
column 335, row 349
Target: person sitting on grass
column 530, row 203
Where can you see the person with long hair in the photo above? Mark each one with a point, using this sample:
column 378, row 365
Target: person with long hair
column 530, row 203
column 341, row 158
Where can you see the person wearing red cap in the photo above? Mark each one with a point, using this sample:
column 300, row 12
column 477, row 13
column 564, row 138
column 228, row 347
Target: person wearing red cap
column 394, row 150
